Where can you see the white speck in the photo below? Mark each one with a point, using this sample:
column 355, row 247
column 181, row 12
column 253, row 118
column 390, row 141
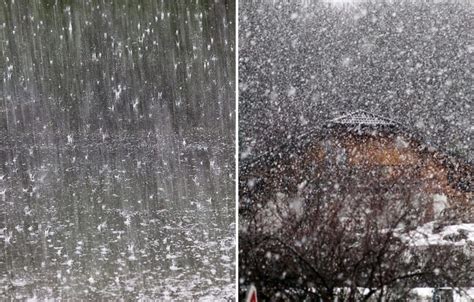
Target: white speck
column 291, row 92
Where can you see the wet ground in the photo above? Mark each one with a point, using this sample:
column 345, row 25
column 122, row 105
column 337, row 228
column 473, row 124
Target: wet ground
column 117, row 217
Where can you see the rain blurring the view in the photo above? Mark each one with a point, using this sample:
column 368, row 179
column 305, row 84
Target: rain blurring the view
column 117, row 149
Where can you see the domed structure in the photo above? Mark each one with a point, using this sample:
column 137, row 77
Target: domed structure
column 362, row 154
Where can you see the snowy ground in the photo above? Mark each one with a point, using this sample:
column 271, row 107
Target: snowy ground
column 459, row 234
column 425, row 294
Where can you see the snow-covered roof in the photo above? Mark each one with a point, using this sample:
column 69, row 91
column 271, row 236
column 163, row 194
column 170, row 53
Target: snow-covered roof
column 363, row 118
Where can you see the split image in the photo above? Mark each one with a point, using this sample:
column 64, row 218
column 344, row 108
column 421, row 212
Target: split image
column 236, row 150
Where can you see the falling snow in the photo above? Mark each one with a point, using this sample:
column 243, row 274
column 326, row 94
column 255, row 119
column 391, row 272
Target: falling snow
column 356, row 151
